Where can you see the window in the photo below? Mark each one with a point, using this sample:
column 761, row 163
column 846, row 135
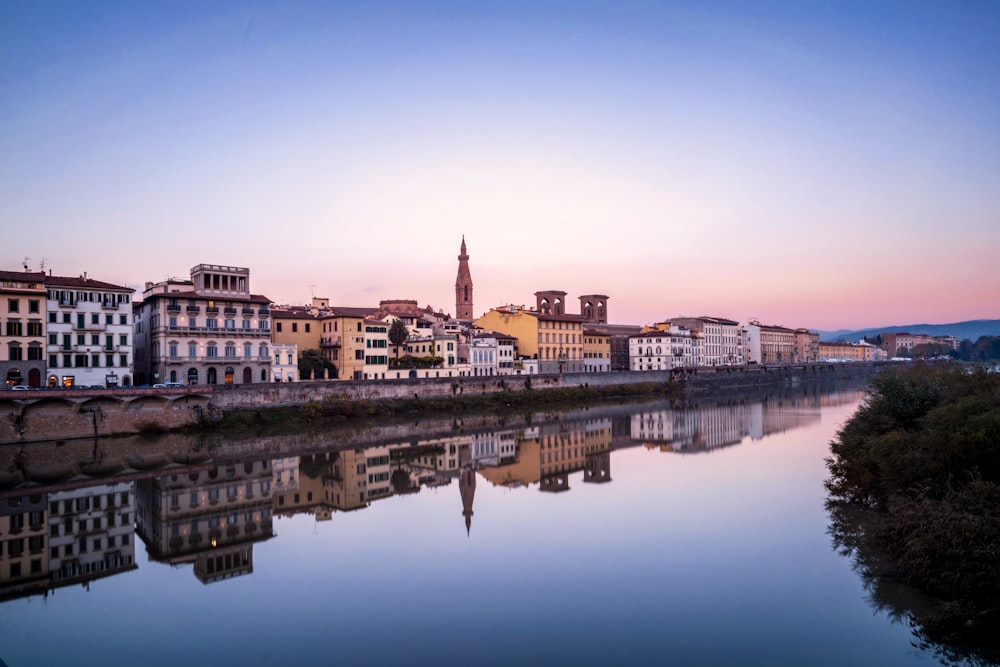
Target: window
column 109, row 319
column 14, row 328
column 13, row 305
column 53, row 361
column 66, row 318
column 52, row 318
column 172, row 347
column 123, row 319
column 246, row 324
column 95, row 339
column 123, row 339
column 81, row 339
column 192, row 350
column 246, row 350
column 278, row 327
column 110, row 360
column 230, row 350
column 211, row 350
column 53, row 339
column 295, row 327
column 307, row 327
column 212, row 322
column 123, row 360
column 95, row 318
column 80, row 361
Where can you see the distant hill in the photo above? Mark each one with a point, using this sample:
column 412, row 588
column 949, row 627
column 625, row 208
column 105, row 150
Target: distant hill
column 972, row 330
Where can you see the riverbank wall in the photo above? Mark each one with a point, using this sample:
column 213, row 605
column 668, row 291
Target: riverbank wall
column 64, row 415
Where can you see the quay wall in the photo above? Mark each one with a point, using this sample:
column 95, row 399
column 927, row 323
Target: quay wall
column 60, row 415
column 237, row 397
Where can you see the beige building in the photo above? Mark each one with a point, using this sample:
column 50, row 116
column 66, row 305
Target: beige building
column 22, row 328
column 841, row 350
column 343, row 340
column 206, row 330
column 807, row 345
column 768, row 344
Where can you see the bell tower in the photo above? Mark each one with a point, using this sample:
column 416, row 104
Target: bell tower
column 463, row 287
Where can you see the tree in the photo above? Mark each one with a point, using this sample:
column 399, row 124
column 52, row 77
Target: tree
column 312, row 363
column 398, row 334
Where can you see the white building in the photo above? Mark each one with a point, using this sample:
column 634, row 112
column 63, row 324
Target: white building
column 663, row 348
column 89, row 332
column 376, row 350
column 484, row 357
column 286, row 362
column 720, row 340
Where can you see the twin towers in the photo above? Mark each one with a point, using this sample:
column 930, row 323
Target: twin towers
column 593, row 307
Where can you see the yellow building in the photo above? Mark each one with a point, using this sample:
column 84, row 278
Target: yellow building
column 596, row 351
column 556, row 341
column 343, row 340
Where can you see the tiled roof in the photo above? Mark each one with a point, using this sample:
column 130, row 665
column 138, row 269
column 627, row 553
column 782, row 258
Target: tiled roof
column 83, row 283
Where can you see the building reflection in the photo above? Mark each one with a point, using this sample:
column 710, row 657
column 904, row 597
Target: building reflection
column 210, row 517
column 211, row 513
column 65, row 536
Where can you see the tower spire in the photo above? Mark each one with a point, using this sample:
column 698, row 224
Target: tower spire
column 463, row 287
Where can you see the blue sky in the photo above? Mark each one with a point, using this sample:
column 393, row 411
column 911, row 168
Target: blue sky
column 824, row 165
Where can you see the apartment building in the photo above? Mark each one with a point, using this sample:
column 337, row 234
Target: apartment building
column 89, row 332
column 663, row 347
column 768, row 344
column 720, row 340
column 206, row 330
column 22, row 328
column 596, row 351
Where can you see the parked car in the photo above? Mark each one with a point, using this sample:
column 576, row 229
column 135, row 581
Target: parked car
column 174, row 385
column 159, row 386
column 21, row 387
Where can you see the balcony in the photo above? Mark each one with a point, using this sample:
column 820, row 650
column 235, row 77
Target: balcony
column 230, row 311
column 247, row 312
column 173, row 307
column 193, row 309
column 263, row 312
column 212, row 310
column 109, row 305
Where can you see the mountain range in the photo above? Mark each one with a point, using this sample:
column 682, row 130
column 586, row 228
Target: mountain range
column 971, row 330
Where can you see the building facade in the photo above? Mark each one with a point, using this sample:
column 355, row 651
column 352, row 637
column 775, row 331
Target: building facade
column 206, row 330
column 720, row 340
column 89, row 332
column 22, row 328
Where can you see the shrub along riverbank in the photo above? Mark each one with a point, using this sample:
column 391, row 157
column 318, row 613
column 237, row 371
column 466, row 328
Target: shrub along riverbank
column 923, row 453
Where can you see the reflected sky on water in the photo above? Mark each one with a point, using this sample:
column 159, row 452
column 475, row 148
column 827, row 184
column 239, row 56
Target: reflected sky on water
column 653, row 533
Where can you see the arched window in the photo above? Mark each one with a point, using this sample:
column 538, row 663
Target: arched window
column 192, row 376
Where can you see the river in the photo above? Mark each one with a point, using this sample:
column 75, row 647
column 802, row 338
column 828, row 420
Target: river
column 646, row 534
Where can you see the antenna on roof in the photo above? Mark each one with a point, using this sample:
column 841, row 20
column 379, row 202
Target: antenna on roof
column 25, row 263
column 312, row 291
column 41, row 265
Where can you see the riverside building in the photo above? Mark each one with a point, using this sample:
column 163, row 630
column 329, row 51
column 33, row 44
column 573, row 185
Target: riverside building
column 206, row 330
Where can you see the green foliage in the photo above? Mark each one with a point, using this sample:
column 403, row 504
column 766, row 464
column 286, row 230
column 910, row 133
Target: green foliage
column 924, row 450
column 398, row 334
column 311, row 361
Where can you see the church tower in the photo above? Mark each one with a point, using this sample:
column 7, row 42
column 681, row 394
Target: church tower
column 463, row 288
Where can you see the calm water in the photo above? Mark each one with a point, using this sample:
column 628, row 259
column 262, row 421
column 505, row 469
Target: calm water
column 638, row 534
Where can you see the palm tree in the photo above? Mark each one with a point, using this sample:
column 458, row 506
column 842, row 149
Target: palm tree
column 398, row 334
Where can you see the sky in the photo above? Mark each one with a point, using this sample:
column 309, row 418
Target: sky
column 809, row 164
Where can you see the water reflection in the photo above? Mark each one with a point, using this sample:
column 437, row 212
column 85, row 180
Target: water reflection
column 70, row 511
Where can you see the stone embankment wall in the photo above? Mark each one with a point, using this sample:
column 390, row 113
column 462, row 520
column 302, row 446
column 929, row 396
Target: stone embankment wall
column 694, row 380
column 60, row 415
